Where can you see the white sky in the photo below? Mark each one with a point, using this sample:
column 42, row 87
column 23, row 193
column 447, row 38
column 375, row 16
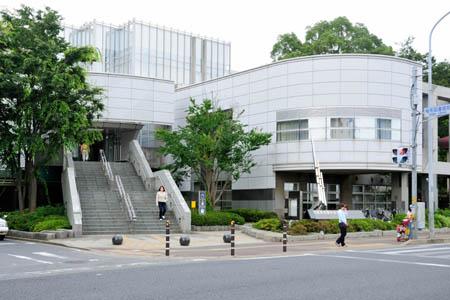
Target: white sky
column 252, row 26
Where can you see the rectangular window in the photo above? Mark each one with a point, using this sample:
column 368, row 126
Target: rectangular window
column 292, row 130
column 342, row 128
column 384, row 129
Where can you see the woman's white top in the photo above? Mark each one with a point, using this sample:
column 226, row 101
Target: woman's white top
column 161, row 197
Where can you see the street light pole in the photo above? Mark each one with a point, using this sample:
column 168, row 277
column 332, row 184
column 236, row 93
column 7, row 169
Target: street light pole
column 431, row 183
column 414, row 126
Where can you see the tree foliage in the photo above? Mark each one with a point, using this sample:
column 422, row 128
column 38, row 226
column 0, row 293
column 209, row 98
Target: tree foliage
column 330, row 37
column 212, row 144
column 45, row 101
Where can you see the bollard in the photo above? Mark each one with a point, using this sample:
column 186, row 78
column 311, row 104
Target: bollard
column 232, row 238
column 167, row 238
column 284, row 236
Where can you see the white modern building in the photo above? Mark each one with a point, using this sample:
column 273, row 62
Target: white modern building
column 355, row 109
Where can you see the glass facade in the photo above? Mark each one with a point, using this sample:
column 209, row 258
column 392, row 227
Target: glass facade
column 371, row 197
column 142, row 49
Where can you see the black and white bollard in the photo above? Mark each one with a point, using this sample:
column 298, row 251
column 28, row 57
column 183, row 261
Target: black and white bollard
column 284, row 236
column 232, row 238
column 167, row 238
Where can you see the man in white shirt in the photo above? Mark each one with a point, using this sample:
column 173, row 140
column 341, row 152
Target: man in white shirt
column 342, row 214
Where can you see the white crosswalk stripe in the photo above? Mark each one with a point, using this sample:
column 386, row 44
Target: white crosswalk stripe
column 31, row 259
column 430, row 251
column 47, row 254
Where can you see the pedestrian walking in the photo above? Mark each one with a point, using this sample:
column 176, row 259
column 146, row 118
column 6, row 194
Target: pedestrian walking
column 161, row 200
column 84, row 148
column 342, row 214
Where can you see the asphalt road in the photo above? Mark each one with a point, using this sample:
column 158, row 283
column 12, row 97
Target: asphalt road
column 395, row 273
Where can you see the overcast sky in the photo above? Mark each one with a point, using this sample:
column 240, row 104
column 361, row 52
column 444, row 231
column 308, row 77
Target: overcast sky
column 252, row 26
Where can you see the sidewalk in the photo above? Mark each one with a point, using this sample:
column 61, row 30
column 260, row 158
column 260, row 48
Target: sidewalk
column 210, row 245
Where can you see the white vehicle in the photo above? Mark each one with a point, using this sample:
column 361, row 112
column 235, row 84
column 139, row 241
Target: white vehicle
column 3, row 228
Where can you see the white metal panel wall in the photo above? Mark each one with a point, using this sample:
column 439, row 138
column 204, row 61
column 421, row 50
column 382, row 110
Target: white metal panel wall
column 316, row 83
column 135, row 99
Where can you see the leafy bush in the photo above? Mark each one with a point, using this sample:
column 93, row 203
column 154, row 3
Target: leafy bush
column 26, row 220
column 330, row 226
column 443, row 212
column 441, row 221
column 52, row 223
column 212, row 218
column 254, row 215
column 361, row 225
column 273, row 224
column 398, row 218
column 297, row 228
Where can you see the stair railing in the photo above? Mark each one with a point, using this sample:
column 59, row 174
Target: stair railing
column 322, row 203
column 106, row 167
column 125, row 198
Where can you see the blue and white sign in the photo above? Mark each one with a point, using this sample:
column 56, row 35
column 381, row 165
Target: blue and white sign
column 438, row 110
column 202, row 202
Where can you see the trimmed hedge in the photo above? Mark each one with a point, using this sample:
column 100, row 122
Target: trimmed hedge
column 304, row 227
column 212, row 218
column 273, row 224
column 26, row 220
column 253, row 215
column 52, row 223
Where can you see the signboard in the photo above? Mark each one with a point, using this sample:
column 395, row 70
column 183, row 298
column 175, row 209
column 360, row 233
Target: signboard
column 202, row 202
column 438, row 110
column 420, row 215
column 332, row 214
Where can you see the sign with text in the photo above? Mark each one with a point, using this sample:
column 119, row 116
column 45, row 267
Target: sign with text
column 438, row 110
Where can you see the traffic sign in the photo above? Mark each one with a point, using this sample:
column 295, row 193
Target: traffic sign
column 438, row 110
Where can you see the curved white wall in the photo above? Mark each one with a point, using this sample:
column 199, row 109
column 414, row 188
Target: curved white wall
column 363, row 87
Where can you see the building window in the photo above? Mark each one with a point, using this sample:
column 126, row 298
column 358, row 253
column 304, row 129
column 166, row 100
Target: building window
column 292, row 130
column 371, row 197
column 384, row 129
column 342, row 128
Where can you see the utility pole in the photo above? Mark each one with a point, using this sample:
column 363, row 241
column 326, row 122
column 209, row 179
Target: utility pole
column 414, row 127
column 431, row 183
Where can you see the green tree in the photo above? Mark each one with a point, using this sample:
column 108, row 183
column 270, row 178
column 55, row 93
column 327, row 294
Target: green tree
column 330, row 37
column 212, row 144
column 46, row 103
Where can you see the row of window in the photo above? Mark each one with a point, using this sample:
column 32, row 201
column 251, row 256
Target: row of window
column 339, row 128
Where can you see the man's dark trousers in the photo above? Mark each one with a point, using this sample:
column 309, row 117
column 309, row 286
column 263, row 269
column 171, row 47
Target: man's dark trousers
column 343, row 229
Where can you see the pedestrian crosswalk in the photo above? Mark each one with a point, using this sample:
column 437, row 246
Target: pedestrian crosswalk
column 429, row 251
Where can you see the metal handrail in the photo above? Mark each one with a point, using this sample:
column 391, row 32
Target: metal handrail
column 106, row 167
column 126, row 199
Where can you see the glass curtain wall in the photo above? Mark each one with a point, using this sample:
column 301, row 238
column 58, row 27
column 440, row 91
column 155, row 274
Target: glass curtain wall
column 142, row 49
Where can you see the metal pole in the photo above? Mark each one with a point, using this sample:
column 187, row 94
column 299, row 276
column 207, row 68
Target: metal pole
column 232, row 238
column 431, row 183
column 284, row 236
column 414, row 123
column 167, row 238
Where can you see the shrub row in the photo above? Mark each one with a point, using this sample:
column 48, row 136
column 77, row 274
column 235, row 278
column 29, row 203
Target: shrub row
column 273, row 224
column 212, row 218
column 303, row 227
column 253, row 215
column 43, row 218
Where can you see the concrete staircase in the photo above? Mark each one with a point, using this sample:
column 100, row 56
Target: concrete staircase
column 101, row 207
